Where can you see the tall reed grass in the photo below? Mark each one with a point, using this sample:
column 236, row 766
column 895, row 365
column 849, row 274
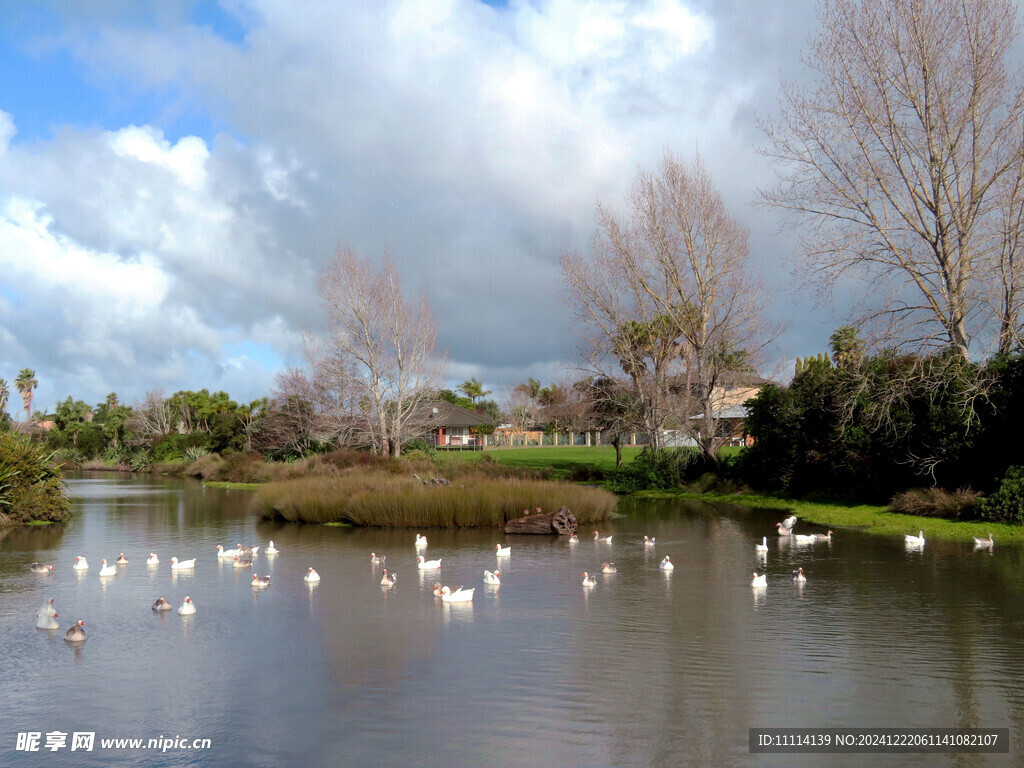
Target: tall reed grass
column 379, row 498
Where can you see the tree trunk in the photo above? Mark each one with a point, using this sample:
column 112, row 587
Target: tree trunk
column 561, row 523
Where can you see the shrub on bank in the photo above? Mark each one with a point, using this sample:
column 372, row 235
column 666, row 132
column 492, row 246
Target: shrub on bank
column 31, row 489
column 384, row 499
column 960, row 504
column 1006, row 505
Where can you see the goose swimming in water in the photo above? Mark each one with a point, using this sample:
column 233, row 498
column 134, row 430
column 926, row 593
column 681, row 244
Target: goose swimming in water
column 388, row 579
column 377, row 559
column 152, row 559
column 759, row 581
column 588, row 580
column 666, row 564
column 227, row 553
column 823, row 536
column 41, row 568
column 81, row 564
column 786, row 526
column 648, row 542
column 762, row 548
column 492, row 578
column 121, row 559
column 271, row 549
column 599, row 537
column 311, row 576
column 574, row 539
column 460, row 595
column 801, row 538
column 798, row 576
column 608, row 568
column 188, row 607
column 437, row 589
column 161, row 605
column 988, row 543
column 77, row 632
column 260, row 582
column 107, row 570
column 183, row 565
column 421, row 541
column 243, row 562
column 914, row 541
column 503, row 551
column 47, row 617
column 242, row 550
column 427, row 565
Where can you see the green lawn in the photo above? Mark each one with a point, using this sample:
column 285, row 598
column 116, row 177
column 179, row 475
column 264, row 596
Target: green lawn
column 561, row 459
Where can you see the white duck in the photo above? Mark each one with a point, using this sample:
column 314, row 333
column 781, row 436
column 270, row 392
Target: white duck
column 503, row 551
column 152, row 559
column 421, row 541
column 260, row 582
column 388, row 579
column 311, row 576
column 460, row 595
column 492, row 578
column 77, row 632
column 988, row 543
column 47, row 617
column 588, row 580
column 427, row 565
column 914, row 541
column 608, row 568
column 271, row 549
column 182, row 565
column 798, row 576
column 227, row 553
column 599, row 537
column 187, row 608
column 377, row 559
column 161, row 605
column 759, row 581
column 574, row 539
column 762, row 548
column 107, row 570
column 121, row 559
column 801, row 538
column 666, row 564
column 648, row 542
column 81, row 564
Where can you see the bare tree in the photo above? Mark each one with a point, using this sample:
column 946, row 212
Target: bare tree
column 149, row 420
column 669, row 295
column 519, row 410
column 905, row 158
column 380, row 350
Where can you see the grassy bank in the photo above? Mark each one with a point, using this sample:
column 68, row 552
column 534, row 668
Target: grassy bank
column 562, row 462
column 385, row 499
column 865, row 517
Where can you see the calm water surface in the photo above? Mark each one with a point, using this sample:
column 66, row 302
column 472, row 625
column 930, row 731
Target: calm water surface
column 642, row 670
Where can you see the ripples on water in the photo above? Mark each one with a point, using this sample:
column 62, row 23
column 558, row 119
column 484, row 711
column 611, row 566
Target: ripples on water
column 644, row 669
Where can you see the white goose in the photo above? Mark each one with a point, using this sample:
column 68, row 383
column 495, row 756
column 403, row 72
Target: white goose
column 152, row 559
column 377, row 559
column 188, row 607
column 107, row 570
column 182, row 565
column 227, row 553
column 81, row 564
column 666, row 564
column 492, row 578
column 47, row 617
column 914, row 541
column 161, row 605
column 798, row 576
column 788, row 523
column 648, row 542
column 503, row 551
column 427, row 565
column 460, row 595
column 388, row 579
column 801, row 538
column 759, row 581
column 599, row 537
column 421, row 541
column 311, row 576
column 574, row 539
column 260, row 582
column 271, row 549
column 762, row 548
column 588, row 580
column 77, row 632
column 988, row 543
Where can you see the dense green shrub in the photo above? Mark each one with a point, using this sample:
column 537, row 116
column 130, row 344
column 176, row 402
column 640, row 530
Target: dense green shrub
column 174, row 447
column 31, row 489
column 1006, row 505
column 653, row 470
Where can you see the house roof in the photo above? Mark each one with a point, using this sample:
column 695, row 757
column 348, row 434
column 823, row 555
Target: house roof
column 450, row 415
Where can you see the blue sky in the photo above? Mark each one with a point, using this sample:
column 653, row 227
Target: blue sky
column 174, row 174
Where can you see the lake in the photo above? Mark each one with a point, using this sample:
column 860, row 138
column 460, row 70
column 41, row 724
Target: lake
column 643, row 669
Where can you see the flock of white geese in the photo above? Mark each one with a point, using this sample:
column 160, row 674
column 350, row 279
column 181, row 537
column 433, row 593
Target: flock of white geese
column 785, row 528
column 242, row 557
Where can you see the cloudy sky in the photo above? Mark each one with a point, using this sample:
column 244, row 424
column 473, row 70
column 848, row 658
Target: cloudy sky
column 174, row 174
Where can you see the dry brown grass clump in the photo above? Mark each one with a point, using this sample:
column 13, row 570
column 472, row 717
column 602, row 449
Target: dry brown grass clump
column 937, row 502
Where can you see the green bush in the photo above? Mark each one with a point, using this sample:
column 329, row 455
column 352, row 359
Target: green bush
column 417, row 444
column 1006, row 505
column 656, row 470
column 31, row 488
column 174, row 447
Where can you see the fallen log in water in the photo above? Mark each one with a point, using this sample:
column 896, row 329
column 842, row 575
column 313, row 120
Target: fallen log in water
column 561, row 523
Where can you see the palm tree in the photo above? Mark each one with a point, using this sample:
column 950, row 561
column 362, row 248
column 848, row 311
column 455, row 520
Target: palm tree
column 473, row 389
column 5, row 393
column 26, row 383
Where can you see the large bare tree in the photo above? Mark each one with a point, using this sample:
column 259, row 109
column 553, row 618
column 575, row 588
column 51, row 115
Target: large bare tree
column 668, row 294
column 380, row 349
column 904, row 158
